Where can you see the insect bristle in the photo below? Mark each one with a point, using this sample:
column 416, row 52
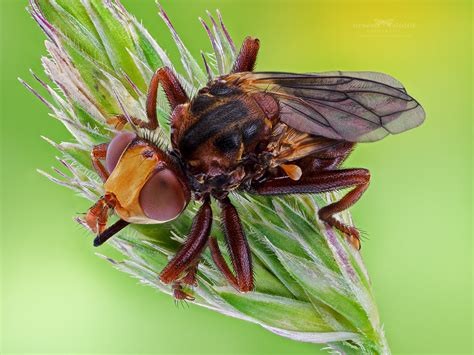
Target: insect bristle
column 156, row 137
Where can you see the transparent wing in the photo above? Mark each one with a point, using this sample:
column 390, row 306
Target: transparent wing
column 352, row 106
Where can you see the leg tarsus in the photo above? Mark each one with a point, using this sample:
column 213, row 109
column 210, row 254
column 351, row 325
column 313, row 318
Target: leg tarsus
column 179, row 294
column 326, row 213
column 188, row 279
column 351, row 233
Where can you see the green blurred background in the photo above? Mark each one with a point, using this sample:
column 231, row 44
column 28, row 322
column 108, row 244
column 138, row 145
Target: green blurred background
column 57, row 296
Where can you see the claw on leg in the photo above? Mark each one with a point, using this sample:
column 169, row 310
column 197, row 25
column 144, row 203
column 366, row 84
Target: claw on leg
column 188, row 279
column 351, row 233
column 181, row 295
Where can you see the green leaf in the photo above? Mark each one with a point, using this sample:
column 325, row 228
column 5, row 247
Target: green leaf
column 331, row 288
column 281, row 312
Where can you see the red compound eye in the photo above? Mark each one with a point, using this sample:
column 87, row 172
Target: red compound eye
column 162, row 197
column 116, row 147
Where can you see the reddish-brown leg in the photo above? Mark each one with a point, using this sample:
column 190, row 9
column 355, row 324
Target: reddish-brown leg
column 99, row 152
column 193, row 247
column 174, row 93
column 188, row 279
column 173, row 90
column 324, row 181
column 247, row 56
column 221, row 263
column 179, row 294
column 238, row 248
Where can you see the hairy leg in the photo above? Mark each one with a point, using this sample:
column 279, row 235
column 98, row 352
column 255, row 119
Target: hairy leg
column 221, row 263
column 238, row 248
column 324, row 181
column 193, row 247
column 188, row 279
column 174, row 93
column 173, row 90
column 247, row 56
column 180, row 294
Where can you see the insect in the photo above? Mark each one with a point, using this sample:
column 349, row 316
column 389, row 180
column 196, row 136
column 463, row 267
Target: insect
column 267, row 133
